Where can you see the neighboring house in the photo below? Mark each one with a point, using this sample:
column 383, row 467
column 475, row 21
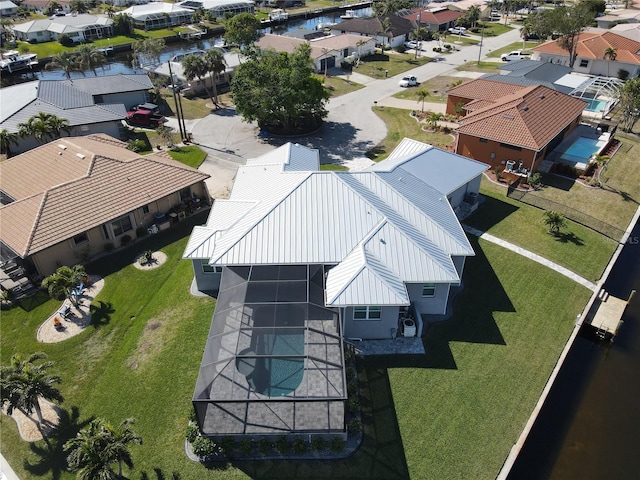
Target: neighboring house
column 326, row 51
column 90, row 105
column 80, row 28
column 302, row 258
column 434, row 19
column 397, row 33
column 73, row 197
column 590, row 51
column 522, row 127
column 219, row 8
column 628, row 30
column 7, row 8
column 616, row 17
column 157, row 15
column 42, row 6
column 126, row 3
column 476, row 94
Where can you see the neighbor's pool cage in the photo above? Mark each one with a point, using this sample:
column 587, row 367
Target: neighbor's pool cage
column 273, row 362
column 601, row 94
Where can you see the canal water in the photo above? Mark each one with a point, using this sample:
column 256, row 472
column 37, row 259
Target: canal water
column 121, row 63
column 589, row 428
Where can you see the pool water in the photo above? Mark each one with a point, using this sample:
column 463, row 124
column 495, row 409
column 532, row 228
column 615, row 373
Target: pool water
column 596, row 105
column 582, row 149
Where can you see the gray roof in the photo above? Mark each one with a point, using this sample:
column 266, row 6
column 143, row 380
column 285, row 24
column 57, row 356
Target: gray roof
column 112, row 84
column 525, row 82
column 542, row 71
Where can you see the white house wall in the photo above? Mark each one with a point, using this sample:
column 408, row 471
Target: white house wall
column 371, row 329
column 206, row 281
column 433, row 305
column 595, row 66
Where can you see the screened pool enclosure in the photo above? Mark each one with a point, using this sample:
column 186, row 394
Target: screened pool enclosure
column 273, row 362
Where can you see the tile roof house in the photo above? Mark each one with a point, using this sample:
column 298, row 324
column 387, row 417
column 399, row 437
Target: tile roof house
column 433, row 19
column 68, row 199
column 474, row 94
column 317, row 256
column 628, row 30
column 326, row 51
column 522, row 127
column 590, row 54
column 90, row 105
column 80, row 28
column 399, row 29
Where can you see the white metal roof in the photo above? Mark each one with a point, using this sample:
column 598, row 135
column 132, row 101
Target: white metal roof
column 306, row 159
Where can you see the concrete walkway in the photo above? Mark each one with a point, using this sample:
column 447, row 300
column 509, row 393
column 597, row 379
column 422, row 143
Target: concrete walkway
column 533, row 256
column 6, row 472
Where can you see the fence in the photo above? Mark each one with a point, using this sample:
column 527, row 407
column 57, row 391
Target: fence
column 530, row 198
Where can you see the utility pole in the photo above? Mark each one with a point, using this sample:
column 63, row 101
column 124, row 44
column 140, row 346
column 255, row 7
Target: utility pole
column 175, row 101
column 418, row 42
column 481, row 40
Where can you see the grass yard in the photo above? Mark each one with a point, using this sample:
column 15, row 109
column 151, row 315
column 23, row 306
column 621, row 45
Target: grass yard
column 479, row 380
column 437, row 88
column 376, row 65
column 514, row 46
column 619, row 198
column 493, row 29
column 339, row 86
column 578, row 248
column 484, row 67
column 191, row 155
column 399, row 125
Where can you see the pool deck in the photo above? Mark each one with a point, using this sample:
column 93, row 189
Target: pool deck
column 584, row 131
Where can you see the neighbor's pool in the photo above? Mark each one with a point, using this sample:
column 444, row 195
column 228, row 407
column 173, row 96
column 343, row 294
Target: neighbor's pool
column 582, row 149
column 596, row 105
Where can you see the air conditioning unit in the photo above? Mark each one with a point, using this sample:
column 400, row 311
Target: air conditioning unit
column 408, row 327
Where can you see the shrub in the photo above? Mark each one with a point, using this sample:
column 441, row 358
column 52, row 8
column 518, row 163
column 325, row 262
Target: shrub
column 349, row 354
column 245, row 446
column 192, row 432
column 317, row 444
column 125, row 240
column 623, row 74
column 351, row 373
column 437, row 49
column 227, row 445
column 353, row 405
column 448, row 47
column 136, row 145
column 336, row 445
column 192, row 415
column 264, row 445
column 109, row 246
column 203, row 447
column 141, row 231
column 282, row 445
column 355, row 425
column 299, row 445
column 352, row 388
column 65, row 40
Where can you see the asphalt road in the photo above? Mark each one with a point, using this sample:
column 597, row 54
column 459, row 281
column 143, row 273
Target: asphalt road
column 350, row 130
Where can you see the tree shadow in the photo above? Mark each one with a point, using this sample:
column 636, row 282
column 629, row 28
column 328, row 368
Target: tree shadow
column 556, row 181
column 33, row 301
column 160, row 475
column 101, row 313
column 53, row 460
column 568, row 237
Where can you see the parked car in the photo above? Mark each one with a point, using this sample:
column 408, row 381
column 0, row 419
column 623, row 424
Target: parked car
column 458, row 30
column 144, row 118
column 409, row 81
column 411, row 44
column 515, row 55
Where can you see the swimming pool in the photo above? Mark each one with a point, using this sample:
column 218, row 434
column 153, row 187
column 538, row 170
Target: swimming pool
column 596, row 105
column 582, row 149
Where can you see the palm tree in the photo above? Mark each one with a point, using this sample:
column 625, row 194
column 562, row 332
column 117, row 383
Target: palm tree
column 422, row 94
column 525, row 31
column 93, row 451
column 385, row 28
column 195, row 66
column 433, row 118
column 61, row 284
column 58, row 125
column 610, row 55
column 43, row 126
column 554, row 220
column 216, row 65
column 65, row 61
column 88, row 58
column 166, row 134
column 24, row 382
column 6, row 139
column 473, row 15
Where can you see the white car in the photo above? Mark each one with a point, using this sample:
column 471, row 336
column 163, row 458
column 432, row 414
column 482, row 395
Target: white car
column 408, row 81
column 458, row 30
column 411, row 44
column 515, row 55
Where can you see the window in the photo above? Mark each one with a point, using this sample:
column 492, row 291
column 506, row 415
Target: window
column 80, row 238
column 121, row 225
column 484, row 140
column 367, row 313
column 145, row 210
column 584, row 63
column 511, row 147
column 429, row 290
column 105, row 231
column 206, row 268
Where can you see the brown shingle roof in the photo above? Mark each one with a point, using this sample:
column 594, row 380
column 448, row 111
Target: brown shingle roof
column 593, row 45
column 530, row 118
column 481, row 89
column 70, row 194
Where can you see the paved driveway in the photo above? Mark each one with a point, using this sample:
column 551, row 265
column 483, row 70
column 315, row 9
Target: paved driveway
column 350, row 130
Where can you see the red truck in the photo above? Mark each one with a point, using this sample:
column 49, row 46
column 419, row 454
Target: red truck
column 145, row 118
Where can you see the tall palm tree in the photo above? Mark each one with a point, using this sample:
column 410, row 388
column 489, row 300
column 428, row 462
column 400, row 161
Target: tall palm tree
column 89, row 57
column 610, row 54
column 65, row 61
column 216, row 65
column 422, row 94
column 61, row 284
column 195, row 66
column 554, row 221
column 44, row 126
column 97, row 447
column 6, row 139
column 473, row 15
column 24, row 382
column 58, row 125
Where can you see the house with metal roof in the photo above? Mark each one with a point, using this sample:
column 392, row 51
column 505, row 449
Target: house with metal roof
column 520, row 128
column 80, row 28
column 8, row 8
column 397, row 33
column 77, row 196
column 90, row 105
column 302, row 258
column 156, row 15
column 219, row 8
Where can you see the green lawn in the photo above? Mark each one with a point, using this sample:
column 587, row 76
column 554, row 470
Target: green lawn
column 484, row 67
column 191, row 155
column 579, row 249
column 394, row 63
column 339, row 86
column 493, row 29
column 437, row 88
column 480, row 379
column 513, row 46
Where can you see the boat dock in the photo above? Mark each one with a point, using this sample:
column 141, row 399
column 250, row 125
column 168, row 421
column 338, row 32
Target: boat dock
column 605, row 316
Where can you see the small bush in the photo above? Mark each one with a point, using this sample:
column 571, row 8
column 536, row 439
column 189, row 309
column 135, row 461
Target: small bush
column 336, row 445
column 245, row 446
column 317, row 444
column 203, row 447
column 65, row 40
column 125, row 240
column 355, row 425
column 349, row 354
column 282, row 445
column 136, row 145
column 299, row 445
column 353, row 405
column 437, row 49
column 264, row 446
column 192, row 433
column 352, row 388
column 192, row 415
column 227, row 445
column 351, row 373
column 623, row 74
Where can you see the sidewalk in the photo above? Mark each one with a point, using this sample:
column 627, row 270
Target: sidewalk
column 6, row 472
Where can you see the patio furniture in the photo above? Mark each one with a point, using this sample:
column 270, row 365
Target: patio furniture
column 64, row 310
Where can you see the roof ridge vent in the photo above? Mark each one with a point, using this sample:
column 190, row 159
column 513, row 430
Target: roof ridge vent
column 81, row 155
column 63, row 147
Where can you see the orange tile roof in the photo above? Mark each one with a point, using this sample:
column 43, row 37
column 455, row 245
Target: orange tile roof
column 60, row 192
column 530, row 118
column 594, row 44
column 481, row 89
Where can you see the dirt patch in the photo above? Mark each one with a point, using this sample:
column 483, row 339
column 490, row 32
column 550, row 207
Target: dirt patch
column 28, row 424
